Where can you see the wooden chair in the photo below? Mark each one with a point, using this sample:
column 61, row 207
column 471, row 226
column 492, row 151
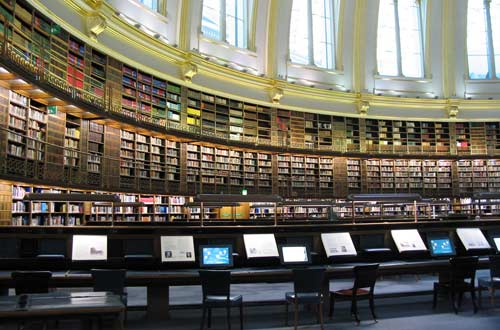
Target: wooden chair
column 493, row 282
column 307, row 289
column 216, row 288
column 462, row 269
column 365, row 277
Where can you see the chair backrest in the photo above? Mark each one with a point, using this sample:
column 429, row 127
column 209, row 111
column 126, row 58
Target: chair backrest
column 365, row 276
column 463, row 268
column 215, row 282
column 112, row 280
column 308, row 280
column 31, row 281
column 495, row 265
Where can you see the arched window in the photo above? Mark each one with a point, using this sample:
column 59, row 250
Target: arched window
column 313, row 31
column 400, row 38
column 483, row 38
column 227, row 20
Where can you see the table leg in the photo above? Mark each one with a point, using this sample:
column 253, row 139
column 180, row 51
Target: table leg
column 158, row 302
column 326, row 294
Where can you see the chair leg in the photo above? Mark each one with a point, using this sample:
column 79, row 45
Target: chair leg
column 204, row 313
column 296, row 314
column 209, row 317
column 460, row 297
column 480, row 295
column 452, row 301
column 286, row 313
column 473, row 296
column 320, row 313
column 434, row 297
column 241, row 316
column 332, row 305
column 372, row 307
column 354, row 309
column 228, row 311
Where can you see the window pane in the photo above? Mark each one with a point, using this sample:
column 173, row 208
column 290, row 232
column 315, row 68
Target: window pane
column 410, row 38
column 477, row 48
column 322, row 33
column 210, row 22
column 151, row 4
column 495, row 27
column 387, row 62
column 299, row 48
column 236, row 22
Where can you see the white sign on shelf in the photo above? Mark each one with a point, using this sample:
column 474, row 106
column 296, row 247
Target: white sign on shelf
column 472, row 238
column 497, row 242
column 260, row 245
column 90, row 247
column 338, row 244
column 177, row 249
column 408, row 240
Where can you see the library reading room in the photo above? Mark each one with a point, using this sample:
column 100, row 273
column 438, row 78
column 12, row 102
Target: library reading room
column 254, row 164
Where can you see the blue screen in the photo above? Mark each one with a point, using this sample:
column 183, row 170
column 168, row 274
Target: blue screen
column 216, row 256
column 441, row 246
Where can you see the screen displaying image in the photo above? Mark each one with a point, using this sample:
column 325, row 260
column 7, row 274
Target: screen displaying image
column 441, row 246
column 90, row 247
column 295, row 254
column 216, row 256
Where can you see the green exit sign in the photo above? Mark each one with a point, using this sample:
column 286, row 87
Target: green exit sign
column 52, row 109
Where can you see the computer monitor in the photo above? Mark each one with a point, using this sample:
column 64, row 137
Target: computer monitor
column 294, row 255
column 216, row 256
column 440, row 245
column 89, row 247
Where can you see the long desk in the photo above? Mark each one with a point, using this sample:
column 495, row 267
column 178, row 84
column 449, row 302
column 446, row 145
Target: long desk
column 58, row 305
column 158, row 282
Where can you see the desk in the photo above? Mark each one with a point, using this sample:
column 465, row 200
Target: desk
column 158, row 282
column 59, row 305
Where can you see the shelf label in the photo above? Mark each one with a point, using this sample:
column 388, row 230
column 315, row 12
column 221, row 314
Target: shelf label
column 52, row 109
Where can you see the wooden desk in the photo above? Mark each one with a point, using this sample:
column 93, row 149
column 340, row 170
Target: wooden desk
column 62, row 305
column 158, row 282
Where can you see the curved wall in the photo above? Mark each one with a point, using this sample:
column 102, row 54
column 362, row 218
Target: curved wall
column 441, row 96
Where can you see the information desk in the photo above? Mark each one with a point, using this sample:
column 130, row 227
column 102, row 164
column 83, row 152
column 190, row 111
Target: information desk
column 62, row 305
column 159, row 282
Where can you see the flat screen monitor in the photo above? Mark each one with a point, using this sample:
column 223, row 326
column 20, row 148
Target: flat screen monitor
column 294, row 255
column 89, row 247
column 440, row 245
column 216, row 256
